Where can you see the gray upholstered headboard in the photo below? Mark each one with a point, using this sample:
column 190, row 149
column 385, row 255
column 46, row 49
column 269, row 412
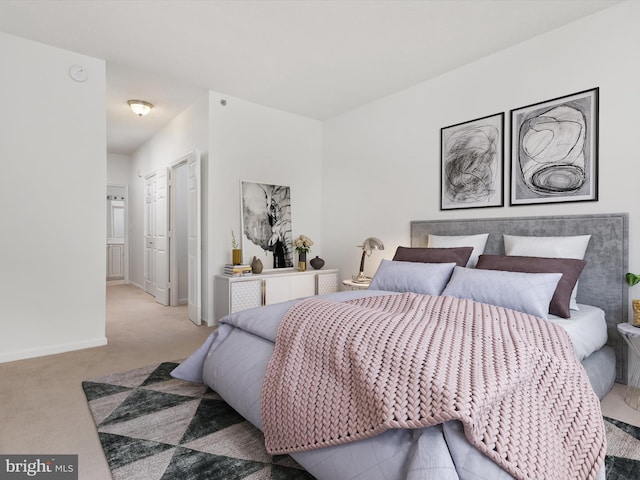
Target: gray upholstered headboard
column 602, row 281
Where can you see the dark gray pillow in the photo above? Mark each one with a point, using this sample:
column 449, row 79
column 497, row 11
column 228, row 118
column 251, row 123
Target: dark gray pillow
column 570, row 268
column 458, row 255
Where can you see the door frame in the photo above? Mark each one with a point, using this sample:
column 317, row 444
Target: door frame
column 192, row 157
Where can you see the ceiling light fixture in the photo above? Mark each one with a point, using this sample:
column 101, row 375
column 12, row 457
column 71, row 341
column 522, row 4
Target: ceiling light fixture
column 139, row 107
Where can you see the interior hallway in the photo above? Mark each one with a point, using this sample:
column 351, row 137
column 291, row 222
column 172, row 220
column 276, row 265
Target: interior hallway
column 43, row 408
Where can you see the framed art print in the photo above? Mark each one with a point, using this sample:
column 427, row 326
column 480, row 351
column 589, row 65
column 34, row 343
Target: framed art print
column 471, row 163
column 554, row 150
column 266, row 224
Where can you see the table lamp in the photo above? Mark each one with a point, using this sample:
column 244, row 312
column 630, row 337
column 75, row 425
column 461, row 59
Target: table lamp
column 371, row 243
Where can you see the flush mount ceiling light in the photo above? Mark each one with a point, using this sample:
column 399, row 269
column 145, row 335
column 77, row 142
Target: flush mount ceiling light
column 140, row 107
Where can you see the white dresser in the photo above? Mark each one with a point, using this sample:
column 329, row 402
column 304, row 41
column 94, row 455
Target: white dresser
column 232, row 294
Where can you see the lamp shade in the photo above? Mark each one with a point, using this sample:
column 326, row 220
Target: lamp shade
column 140, row 107
column 372, row 243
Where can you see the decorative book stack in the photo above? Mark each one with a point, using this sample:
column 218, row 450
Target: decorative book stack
column 237, row 270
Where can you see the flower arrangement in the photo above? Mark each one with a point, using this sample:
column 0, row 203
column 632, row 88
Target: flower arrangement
column 303, row 244
column 234, row 243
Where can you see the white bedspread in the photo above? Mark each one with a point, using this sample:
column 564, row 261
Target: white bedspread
column 587, row 329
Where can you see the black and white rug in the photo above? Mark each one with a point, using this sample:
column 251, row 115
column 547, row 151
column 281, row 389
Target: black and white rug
column 623, row 450
column 153, row 426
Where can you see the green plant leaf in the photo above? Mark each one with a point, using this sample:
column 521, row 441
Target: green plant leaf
column 632, row 279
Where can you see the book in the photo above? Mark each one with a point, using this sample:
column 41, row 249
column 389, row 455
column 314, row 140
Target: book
column 237, row 269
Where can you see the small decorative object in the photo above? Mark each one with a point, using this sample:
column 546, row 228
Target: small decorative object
column 236, row 251
column 371, row 243
column 317, row 263
column 302, row 245
column 256, row 265
column 633, row 279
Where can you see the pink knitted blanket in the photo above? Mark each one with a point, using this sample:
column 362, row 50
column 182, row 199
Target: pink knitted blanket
column 345, row 371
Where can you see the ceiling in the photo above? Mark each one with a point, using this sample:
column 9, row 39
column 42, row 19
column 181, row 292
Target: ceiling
column 316, row 58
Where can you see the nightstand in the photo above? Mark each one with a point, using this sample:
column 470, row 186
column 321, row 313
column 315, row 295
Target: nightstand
column 631, row 335
column 351, row 285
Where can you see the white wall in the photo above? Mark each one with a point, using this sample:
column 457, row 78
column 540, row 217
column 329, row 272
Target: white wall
column 260, row 144
column 53, row 187
column 382, row 161
column 118, row 169
column 239, row 141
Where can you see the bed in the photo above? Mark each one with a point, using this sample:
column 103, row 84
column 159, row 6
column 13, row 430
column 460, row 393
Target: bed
column 235, row 359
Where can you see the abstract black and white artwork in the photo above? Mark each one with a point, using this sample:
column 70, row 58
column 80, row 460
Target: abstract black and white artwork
column 266, row 224
column 471, row 155
column 554, row 150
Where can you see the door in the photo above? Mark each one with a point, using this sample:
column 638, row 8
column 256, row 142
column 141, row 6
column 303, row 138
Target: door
column 156, row 236
column 194, row 245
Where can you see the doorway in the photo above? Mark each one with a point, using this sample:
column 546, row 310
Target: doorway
column 172, row 235
column 116, row 243
column 185, row 244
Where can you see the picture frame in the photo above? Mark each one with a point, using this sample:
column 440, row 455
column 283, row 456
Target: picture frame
column 266, row 224
column 554, row 150
column 472, row 163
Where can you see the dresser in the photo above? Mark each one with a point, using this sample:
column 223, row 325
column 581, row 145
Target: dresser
column 233, row 294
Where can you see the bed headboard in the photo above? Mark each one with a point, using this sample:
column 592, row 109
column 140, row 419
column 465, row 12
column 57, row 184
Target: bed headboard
column 602, row 281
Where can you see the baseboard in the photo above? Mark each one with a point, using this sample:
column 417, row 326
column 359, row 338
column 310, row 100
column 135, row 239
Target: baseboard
column 51, row 350
column 136, row 285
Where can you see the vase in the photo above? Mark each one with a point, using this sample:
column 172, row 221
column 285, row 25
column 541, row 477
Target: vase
column 636, row 313
column 302, row 261
column 256, row 265
column 317, row 263
column 236, row 256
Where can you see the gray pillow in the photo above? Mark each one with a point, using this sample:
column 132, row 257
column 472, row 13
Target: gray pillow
column 570, row 268
column 425, row 278
column 525, row 292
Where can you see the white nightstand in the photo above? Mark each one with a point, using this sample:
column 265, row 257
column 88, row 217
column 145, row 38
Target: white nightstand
column 351, row 285
column 631, row 335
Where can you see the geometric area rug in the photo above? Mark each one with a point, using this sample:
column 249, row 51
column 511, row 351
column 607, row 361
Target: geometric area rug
column 153, row 426
column 623, row 450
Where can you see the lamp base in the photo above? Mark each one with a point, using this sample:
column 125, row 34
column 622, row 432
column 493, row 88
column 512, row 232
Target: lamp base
column 360, row 278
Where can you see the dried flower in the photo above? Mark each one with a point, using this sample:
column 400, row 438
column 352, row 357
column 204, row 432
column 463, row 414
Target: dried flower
column 303, row 244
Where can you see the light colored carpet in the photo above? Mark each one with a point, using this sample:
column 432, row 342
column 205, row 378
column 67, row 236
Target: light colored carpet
column 44, row 409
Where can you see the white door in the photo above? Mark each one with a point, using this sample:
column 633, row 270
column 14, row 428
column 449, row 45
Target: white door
column 156, row 236
column 194, row 242
column 149, row 196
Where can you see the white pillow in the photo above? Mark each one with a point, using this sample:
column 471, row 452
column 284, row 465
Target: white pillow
column 478, row 242
column 525, row 292
column 425, row 278
column 555, row 247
